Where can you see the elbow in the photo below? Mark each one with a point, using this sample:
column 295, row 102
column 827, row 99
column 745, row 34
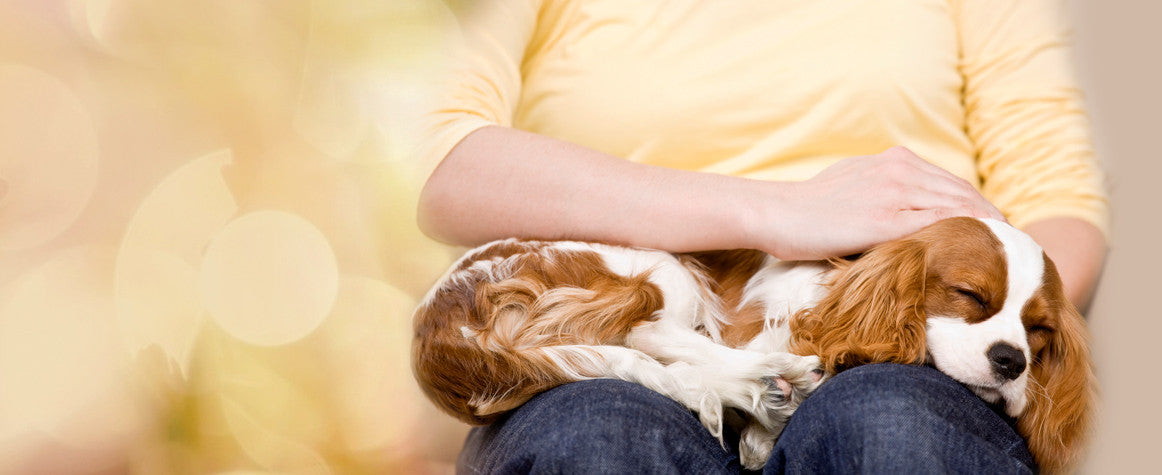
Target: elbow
column 431, row 214
column 442, row 213
column 450, row 208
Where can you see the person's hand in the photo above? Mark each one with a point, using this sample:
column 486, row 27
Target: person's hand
column 862, row 201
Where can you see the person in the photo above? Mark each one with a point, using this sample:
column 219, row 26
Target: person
column 803, row 129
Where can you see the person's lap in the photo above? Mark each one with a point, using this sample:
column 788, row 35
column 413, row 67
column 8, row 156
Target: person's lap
column 871, row 419
column 596, row 426
column 898, row 419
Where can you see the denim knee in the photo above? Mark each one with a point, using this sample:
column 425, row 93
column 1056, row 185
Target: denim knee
column 898, row 418
column 598, row 426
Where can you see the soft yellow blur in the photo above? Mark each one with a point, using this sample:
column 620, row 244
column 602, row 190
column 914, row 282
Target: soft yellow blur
column 208, row 257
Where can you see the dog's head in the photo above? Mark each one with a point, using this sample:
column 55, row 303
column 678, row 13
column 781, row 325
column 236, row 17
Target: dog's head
column 981, row 302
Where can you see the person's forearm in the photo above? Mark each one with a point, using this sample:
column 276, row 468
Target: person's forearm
column 1078, row 250
column 501, row 182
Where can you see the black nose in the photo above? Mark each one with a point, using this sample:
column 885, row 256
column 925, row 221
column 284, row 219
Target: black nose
column 1007, row 361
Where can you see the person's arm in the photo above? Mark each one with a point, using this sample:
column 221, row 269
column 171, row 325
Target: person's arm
column 500, row 182
column 1078, row 250
column 488, row 181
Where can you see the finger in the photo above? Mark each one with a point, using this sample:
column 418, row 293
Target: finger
column 944, row 176
column 931, row 195
column 940, row 195
column 939, row 180
column 916, row 219
column 976, row 204
column 919, row 199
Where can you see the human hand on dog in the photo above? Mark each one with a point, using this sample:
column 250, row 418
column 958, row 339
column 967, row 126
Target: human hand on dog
column 859, row 202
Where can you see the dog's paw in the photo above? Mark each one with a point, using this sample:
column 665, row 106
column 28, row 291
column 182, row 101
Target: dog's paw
column 803, row 376
column 795, row 378
column 789, row 381
column 767, row 388
column 755, row 444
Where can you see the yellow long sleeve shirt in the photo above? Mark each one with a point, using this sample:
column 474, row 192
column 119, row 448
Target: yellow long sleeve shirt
column 779, row 90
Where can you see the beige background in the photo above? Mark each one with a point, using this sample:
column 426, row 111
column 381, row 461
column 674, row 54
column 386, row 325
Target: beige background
column 1119, row 64
column 169, row 169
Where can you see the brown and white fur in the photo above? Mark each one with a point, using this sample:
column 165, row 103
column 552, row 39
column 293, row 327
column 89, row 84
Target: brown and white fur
column 742, row 330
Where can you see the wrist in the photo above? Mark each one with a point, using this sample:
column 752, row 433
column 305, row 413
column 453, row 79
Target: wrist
column 765, row 216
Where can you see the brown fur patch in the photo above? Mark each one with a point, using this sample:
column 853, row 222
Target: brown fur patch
column 729, row 272
column 966, row 261
column 1063, row 390
column 511, row 309
column 873, row 311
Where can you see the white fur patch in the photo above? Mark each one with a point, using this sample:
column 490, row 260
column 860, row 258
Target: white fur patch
column 783, row 288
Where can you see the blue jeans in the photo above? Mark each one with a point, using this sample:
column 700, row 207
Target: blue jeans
column 883, row 418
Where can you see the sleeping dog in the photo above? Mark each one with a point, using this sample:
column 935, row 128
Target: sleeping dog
column 977, row 299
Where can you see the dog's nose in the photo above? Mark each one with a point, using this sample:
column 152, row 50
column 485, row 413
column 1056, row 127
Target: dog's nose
column 1007, row 360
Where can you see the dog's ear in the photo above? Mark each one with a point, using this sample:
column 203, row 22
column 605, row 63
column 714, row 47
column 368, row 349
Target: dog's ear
column 1063, row 389
column 873, row 311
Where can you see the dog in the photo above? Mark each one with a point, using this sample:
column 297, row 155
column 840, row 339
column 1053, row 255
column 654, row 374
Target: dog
column 741, row 330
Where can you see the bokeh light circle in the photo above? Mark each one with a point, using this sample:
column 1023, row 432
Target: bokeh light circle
column 59, row 353
column 48, row 157
column 269, row 278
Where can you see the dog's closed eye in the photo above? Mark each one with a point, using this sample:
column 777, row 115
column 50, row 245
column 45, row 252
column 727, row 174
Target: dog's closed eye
column 973, row 296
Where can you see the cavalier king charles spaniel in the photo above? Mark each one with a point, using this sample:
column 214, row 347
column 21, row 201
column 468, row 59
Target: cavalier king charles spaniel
column 742, row 330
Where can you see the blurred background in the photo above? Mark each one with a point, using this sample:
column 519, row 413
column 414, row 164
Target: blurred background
column 208, row 256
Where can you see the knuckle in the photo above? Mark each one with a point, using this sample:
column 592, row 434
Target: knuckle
column 896, row 190
column 895, row 166
column 899, row 150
